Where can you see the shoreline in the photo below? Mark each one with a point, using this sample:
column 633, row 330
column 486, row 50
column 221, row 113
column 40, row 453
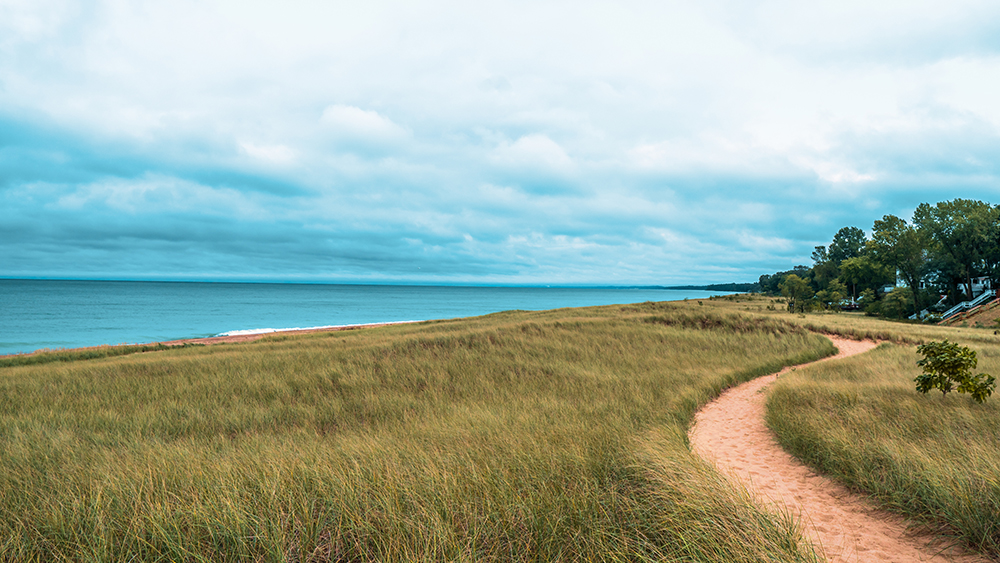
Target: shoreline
column 76, row 315
column 233, row 336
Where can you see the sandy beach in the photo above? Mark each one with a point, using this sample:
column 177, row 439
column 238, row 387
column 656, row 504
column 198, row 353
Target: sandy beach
column 235, row 336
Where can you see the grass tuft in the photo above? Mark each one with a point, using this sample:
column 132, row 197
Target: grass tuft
column 741, row 324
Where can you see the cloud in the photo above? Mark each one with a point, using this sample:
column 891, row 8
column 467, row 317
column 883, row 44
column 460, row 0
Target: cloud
column 535, row 163
column 276, row 154
column 154, row 194
column 535, row 151
column 755, row 243
column 857, row 32
column 353, row 126
column 637, row 142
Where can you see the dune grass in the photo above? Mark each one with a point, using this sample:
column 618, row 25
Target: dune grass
column 80, row 354
column 546, row 436
column 933, row 459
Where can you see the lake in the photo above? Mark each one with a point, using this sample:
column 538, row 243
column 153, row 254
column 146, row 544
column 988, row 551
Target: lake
column 36, row 314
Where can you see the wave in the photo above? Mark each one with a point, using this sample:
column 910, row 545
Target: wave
column 292, row 329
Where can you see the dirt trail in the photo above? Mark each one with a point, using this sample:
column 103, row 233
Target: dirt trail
column 731, row 432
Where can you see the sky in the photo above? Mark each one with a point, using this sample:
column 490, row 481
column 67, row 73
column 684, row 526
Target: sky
column 562, row 142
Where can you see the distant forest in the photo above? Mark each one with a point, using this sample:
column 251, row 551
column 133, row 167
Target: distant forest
column 931, row 263
column 741, row 287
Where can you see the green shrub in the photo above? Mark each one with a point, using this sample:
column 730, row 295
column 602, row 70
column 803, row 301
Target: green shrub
column 947, row 364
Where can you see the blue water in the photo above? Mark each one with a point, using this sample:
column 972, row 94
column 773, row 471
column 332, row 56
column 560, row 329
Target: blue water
column 37, row 314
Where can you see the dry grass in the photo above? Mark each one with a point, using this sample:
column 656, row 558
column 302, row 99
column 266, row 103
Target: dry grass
column 555, row 436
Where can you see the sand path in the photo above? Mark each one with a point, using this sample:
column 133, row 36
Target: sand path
column 731, row 432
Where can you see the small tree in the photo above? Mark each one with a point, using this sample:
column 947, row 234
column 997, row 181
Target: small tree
column 946, row 364
column 834, row 293
column 897, row 302
column 797, row 291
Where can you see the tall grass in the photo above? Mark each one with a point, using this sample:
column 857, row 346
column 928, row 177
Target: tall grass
column 856, row 326
column 79, row 354
column 555, row 436
column 934, row 459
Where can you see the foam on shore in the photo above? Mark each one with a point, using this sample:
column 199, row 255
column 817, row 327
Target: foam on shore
column 294, row 329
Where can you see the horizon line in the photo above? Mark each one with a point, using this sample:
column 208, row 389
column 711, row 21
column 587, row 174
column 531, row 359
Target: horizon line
column 565, row 285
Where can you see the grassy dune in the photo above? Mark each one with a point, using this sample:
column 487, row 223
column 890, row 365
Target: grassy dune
column 551, row 436
column 934, row 459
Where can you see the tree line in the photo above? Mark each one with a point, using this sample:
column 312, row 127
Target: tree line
column 752, row 287
column 930, row 262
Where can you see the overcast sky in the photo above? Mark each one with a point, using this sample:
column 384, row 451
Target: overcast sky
column 480, row 142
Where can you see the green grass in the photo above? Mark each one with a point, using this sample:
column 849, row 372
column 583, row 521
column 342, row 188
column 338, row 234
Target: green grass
column 549, row 436
column 933, row 459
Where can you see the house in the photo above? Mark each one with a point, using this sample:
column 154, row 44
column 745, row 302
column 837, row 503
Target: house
column 980, row 284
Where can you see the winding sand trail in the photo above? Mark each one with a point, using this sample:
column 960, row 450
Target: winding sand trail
column 731, row 432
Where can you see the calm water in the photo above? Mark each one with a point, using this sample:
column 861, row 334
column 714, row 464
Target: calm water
column 38, row 314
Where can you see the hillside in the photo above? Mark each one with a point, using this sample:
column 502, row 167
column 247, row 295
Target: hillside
column 981, row 317
column 518, row 436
